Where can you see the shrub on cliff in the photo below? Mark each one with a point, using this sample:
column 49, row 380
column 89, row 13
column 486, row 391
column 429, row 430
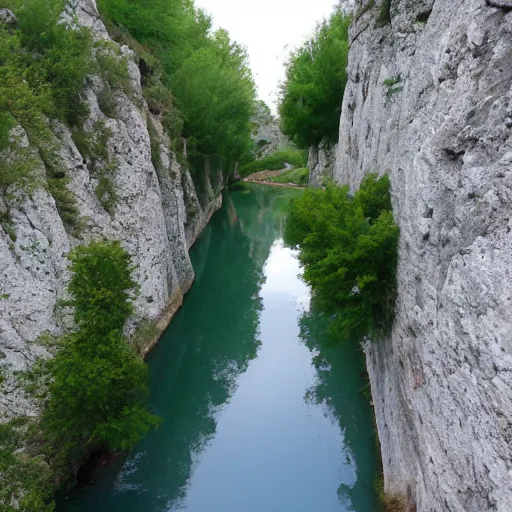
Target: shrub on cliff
column 96, row 399
column 348, row 246
column 312, row 93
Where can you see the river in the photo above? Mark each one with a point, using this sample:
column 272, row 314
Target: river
column 262, row 409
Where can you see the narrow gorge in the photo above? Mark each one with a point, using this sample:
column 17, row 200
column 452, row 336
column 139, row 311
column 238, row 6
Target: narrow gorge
column 265, row 406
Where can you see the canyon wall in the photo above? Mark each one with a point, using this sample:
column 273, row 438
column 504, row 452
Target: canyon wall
column 157, row 216
column 429, row 101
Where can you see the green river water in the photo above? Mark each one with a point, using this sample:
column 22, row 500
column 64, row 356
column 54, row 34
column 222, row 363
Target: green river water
column 261, row 411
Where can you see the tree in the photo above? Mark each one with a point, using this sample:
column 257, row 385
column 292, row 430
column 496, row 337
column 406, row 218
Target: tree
column 348, row 246
column 312, row 93
column 98, row 383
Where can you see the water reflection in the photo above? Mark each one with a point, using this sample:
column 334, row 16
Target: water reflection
column 229, row 379
column 340, row 378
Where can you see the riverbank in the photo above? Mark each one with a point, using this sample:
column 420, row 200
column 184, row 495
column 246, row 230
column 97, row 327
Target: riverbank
column 273, row 184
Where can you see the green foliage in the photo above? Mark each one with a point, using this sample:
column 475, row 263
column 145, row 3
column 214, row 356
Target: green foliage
column 363, row 8
column 93, row 146
column 312, row 93
column 64, row 200
column 393, row 86
column 384, row 17
column 57, row 55
column 107, row 102
column 389, row 82
column 208, row 74
column 145, row 333
column 43, row 66
column 101, row 286
column 348, row 246
column 276, row 161
column 106, row 193
column 8, row 227
column 295, row 176
column 25, row 476
column 113, row 68
column 99, row 385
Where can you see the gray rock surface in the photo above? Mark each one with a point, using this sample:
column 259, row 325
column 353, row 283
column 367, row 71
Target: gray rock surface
column 321, row 164
column 7, row 17
column 442, row 128
column 267, row 135
column 157, row 218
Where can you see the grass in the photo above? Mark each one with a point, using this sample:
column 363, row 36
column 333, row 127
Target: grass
column 295, row 176
column 276, row 161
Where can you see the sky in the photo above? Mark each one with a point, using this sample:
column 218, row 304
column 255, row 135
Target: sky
column 269, row 29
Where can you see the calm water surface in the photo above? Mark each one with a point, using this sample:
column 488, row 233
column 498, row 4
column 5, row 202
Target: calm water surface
column 262, row 413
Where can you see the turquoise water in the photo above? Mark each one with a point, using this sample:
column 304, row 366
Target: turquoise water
column 262, row 412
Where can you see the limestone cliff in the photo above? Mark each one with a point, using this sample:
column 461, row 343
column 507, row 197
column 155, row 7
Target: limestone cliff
column 157, row 216
column 321, row 163
column 429, row 102
column 267, row 135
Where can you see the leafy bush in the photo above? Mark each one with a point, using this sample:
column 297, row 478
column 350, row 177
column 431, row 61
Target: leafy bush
column 56, row 55
column 93, row 146
column 312, row 93
column 99, row 385
column 107, row 102
column 25, row 476
column 276, row 161
column 113, row 68
column 295, row 176
column 348, row 246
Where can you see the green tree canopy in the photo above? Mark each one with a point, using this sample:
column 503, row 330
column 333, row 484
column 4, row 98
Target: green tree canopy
column 208, row 74
column 348, row 246
column 312, row 93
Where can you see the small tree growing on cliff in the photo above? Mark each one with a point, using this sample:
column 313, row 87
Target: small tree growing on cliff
column 348, row 246
column 97, row 397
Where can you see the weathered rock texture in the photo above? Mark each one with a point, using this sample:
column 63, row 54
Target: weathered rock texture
column 157, row 218
column 321, row 164
column 267, row 135
column 442, row 128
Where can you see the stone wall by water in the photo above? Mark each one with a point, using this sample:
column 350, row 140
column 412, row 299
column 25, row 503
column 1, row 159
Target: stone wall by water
column 157, row 218
column 429, row 101
column 321, row 163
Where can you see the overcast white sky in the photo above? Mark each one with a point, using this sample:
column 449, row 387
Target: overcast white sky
column 266, row 27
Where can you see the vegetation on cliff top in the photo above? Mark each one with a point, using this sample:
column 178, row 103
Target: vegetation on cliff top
column 312, row 93
column 208, row 74
column 348, row 246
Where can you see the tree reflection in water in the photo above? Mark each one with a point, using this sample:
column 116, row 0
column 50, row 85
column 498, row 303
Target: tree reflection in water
column 340, row 379
column 195, row 367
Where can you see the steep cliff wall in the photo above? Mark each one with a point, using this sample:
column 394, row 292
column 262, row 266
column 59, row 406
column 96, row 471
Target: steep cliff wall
column 321, row 163
column 429, row 101
column 267, row 135
column 157, row 217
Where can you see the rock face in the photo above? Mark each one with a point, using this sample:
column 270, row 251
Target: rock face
column 157, row 217
column 321, row 163
column 267, row 135
column 429, row 100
